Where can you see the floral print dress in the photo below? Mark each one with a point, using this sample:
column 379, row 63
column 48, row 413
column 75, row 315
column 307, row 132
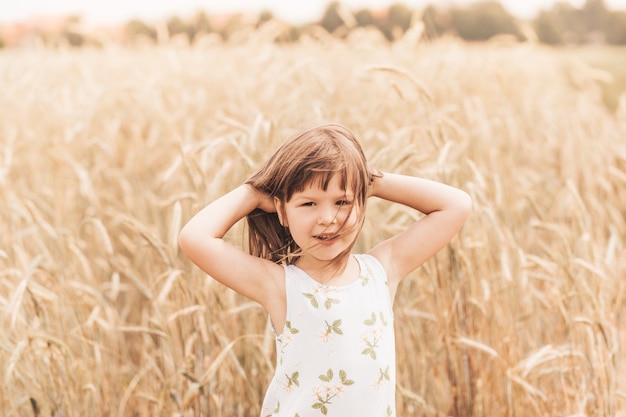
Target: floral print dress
column 336, row 353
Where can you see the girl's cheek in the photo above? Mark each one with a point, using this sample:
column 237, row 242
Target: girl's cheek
column 351, row 217
column 344, row 214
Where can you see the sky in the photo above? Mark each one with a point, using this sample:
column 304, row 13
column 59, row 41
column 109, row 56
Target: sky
column 295, row 11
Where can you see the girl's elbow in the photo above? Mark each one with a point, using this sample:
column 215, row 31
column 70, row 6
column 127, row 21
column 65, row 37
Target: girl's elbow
column 465, row 204
column 185, row 239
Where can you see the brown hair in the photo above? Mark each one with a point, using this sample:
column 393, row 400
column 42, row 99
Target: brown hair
column 312, row 155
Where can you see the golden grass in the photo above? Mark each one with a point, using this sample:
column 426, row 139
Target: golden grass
column 105, row 153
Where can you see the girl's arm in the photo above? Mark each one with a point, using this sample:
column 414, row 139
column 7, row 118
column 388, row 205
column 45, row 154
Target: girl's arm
column 446, row 209
column 201, row 241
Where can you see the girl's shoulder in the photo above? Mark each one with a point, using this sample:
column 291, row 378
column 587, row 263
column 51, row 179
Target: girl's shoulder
column 372, row 265
column 379, row 272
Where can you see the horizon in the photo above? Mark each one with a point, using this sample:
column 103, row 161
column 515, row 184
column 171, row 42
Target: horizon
column 120, row 11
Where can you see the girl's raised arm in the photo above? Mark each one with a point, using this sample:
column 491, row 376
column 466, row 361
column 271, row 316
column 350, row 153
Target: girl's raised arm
column 201, row 241
column 446, row 209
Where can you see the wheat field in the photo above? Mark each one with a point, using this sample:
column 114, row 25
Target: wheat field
column 105, row 153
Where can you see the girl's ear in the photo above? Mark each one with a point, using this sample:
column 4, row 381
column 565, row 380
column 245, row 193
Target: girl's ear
column 279, row 211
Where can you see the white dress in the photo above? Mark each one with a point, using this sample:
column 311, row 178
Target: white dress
column 336, row 354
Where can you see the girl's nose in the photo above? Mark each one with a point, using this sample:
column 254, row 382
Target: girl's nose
column 327, row 215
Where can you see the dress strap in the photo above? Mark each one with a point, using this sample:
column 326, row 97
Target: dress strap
column 373, row 266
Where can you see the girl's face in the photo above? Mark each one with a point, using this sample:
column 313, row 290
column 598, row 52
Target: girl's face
column 324, row 223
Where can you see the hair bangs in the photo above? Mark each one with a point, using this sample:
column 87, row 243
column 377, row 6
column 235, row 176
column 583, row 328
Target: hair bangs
column 318, row 171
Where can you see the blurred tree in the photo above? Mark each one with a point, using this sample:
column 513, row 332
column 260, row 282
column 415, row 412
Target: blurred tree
column 235, row 24
column 547, row 28
column 364, row 17
column 176, row 26
column 567, row 24
column 200, row 25
column 73, row 38
column 397, row 22
column 570, row 22
column 264, row 16
column 136, row 29
column 595, row 15
column 615, row 29
column 436, row 23
column 292, row 34
column 331, row 19
column 480, row 21
column 72, row 33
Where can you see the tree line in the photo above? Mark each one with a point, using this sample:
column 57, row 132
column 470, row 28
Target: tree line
column 479, row 21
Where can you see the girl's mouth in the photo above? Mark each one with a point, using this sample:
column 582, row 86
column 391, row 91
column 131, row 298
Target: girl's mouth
column 326, row 237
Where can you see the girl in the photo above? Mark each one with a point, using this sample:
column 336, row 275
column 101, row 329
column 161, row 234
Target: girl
column 330, row 310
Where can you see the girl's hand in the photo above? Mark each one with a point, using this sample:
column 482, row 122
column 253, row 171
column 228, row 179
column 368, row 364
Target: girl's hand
column 375, row 177
column 265, row 202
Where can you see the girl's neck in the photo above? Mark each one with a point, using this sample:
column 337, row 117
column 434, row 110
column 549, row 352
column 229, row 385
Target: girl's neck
column 331, row 272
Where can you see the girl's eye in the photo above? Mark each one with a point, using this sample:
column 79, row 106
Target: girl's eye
column 308, row 204
column 343, row 203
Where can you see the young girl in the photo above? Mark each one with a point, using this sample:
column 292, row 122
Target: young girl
column 331, row 311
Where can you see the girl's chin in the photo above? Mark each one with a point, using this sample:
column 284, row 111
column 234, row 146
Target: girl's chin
column 327, row 252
